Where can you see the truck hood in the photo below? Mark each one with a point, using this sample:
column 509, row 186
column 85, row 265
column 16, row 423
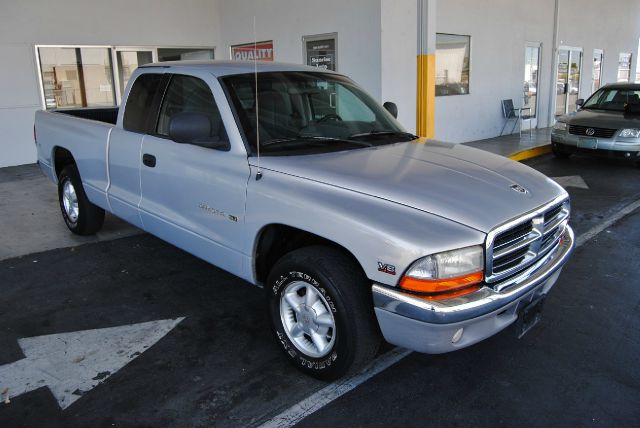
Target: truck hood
column 457, row 182
column 602, row 119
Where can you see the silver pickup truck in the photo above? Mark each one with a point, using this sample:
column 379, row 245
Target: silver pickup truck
column 356, row 229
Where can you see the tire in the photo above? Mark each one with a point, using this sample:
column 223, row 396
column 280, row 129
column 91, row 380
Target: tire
column 559, row 153
column 81, row 216
column 341, row 296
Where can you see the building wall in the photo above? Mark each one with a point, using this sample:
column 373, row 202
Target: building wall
column 499, row 32
column 24, row 24
column 613, row 26
column 357, row 23
column 399, row 48
column 377, row 47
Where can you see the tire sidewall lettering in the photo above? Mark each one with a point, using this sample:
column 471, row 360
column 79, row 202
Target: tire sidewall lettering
column 302, row 359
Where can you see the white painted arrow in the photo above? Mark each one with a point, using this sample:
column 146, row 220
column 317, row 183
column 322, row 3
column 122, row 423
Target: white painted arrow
column 571, row 181
column 71, row 364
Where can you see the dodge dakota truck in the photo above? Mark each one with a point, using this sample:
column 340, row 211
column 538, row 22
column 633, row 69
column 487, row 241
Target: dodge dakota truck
column 297, row 181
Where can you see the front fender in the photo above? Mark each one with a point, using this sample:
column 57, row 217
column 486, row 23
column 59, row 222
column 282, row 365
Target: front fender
column 374, row 230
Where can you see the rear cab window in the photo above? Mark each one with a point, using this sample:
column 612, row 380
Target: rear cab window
column 139, row 112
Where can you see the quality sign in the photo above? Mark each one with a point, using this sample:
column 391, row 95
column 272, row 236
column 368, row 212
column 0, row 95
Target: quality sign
column 261, row 51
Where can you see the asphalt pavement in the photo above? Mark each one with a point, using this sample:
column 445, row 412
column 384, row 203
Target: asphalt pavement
column 219, row 366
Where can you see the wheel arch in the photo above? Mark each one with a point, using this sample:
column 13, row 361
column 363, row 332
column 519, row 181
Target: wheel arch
column 275, row 240
column 61, row 157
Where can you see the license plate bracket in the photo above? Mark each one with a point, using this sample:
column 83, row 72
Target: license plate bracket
column 588, row 143
column 529, row 316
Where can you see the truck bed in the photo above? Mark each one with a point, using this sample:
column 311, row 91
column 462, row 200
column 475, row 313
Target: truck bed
column 102, row 114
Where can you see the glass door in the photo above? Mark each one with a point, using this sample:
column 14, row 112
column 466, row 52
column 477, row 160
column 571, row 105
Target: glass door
column 531, row 67
column 575, row 63
column 127, row 60
column 568, row 80
column 597, row 70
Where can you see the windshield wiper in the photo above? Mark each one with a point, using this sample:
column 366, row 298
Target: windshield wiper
column 303, row 138
column 408, row 135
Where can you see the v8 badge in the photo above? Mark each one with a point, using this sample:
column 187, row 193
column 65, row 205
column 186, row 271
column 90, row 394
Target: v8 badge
column 386, row 268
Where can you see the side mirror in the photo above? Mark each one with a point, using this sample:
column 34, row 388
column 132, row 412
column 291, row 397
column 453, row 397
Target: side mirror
column 194, row 128
column 580, row 102
column 391, row 108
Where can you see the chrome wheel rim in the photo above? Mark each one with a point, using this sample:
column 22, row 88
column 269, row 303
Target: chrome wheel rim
column 307, row 319
column 70, row 201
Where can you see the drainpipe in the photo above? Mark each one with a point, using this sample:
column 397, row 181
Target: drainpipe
column 426, row 87
column 554, row 63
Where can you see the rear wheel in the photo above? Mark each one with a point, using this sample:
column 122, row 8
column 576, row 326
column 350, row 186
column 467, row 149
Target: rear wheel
column 321, row 311
column 81, row 216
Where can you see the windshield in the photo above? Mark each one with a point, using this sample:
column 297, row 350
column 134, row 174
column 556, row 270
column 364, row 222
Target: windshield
column 306, row 112
column 614, row 99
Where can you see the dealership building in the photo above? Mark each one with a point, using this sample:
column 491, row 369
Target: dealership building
column 447, row 64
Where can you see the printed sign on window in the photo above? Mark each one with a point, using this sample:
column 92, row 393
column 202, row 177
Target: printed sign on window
column 261, row 51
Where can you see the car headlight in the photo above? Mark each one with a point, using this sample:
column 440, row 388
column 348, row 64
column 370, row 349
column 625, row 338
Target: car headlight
column 630, row 133
column 447, row 274
column 560, row 126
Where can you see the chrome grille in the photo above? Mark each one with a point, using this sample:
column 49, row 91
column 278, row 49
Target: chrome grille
column 521, row 242
column 597, row 132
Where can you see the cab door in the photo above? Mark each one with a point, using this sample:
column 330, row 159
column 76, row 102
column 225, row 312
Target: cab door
column 123, row 157
column 193, row 195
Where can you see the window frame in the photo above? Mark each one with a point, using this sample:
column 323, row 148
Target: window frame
column 159, row 101
column 469, row 66
column 154, row 114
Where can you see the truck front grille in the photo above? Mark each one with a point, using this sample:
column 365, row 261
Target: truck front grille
column 597, row 132
column 522, row 242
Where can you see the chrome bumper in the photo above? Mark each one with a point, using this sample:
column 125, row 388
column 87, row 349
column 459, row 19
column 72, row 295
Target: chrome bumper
column 602, row 144
column 430, row 326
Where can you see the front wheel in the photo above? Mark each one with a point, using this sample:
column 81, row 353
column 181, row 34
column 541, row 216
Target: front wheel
column 321, row 311
column 81, row 216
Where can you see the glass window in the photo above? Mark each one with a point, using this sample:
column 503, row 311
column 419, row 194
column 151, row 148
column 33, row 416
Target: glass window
column 531, row 65
column 138, row 111
column 306, row 112
column 597, row 70
column 452, row 64
column 190, row 94
column 76, row 77
column 613, row 99
column 179, row 54
column 624, row 67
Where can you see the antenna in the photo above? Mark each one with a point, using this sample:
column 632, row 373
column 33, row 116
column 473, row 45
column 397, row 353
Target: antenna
column 255, row 74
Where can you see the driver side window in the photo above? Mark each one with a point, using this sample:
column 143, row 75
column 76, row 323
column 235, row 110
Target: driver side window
column 190, row 94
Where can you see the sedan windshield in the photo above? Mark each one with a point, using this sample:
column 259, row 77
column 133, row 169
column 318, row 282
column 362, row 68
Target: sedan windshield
column 614, row 99
column 307, row 112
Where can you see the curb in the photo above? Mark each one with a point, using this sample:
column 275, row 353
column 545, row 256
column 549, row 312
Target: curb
column 530, row 153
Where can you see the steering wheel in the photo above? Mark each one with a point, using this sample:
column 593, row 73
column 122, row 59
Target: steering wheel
column 330, row 116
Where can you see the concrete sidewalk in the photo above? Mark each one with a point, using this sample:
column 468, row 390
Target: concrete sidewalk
column 517, row 147
column 30, row 219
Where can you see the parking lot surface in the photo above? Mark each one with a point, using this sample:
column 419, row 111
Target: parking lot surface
column 219, row 366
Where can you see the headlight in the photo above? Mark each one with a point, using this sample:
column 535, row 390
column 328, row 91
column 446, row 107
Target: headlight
column 560, row 126
column 447, row 274
column 630, row 133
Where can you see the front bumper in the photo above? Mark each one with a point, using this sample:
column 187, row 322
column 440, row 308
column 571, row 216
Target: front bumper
column 433, row 327
column 614, row 147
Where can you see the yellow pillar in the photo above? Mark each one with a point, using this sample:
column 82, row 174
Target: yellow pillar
column 426, row 85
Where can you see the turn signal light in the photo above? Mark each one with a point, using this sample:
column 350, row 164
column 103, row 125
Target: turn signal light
column 440, row 289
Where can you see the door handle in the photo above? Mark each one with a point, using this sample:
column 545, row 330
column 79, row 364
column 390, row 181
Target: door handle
column 149, row 160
